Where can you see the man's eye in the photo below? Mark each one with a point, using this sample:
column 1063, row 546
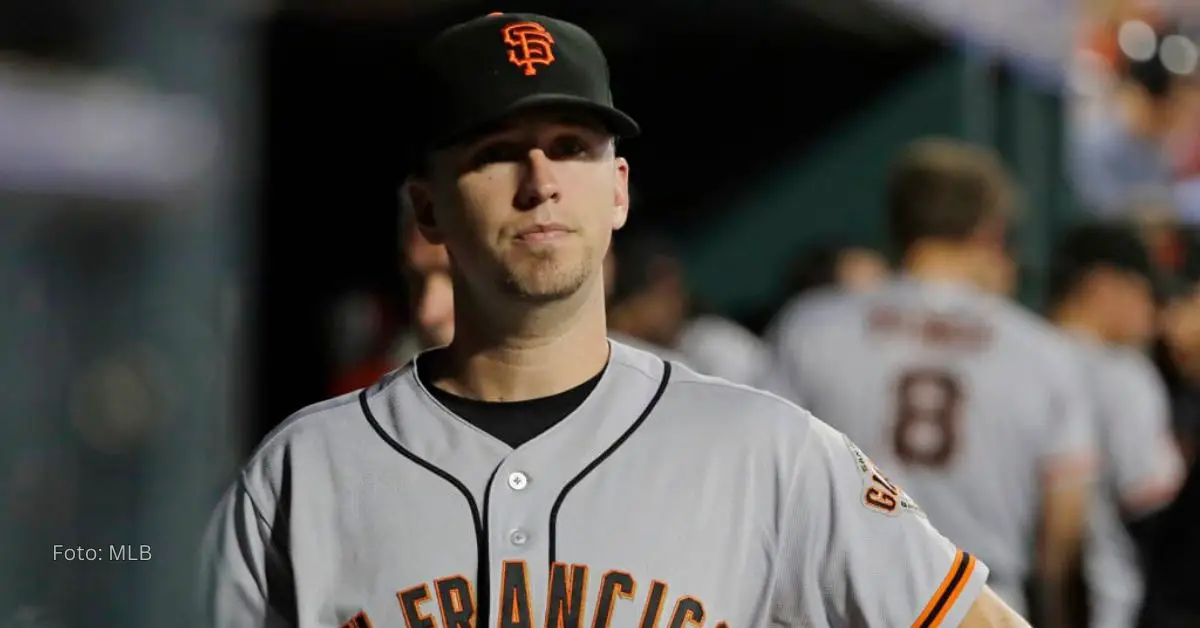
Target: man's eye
column 566, row 147
column 496, row 153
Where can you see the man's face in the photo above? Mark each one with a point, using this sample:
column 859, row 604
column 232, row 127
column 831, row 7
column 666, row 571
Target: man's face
column 528, row 211
column 1180, row 326
column 1133, row 309
column 431, row 291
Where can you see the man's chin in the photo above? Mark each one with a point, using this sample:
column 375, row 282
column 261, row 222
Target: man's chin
column 547, row 284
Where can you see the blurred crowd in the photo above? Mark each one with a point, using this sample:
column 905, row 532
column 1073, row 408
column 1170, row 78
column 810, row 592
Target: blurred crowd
column 1135, row 137
column 1124, row 295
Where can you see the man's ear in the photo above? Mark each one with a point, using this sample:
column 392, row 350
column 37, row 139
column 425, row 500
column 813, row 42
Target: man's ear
column 620, row 194
column 416, row 201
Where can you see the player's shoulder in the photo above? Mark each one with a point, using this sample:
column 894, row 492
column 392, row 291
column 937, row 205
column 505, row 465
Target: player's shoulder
column 729, row 410
column 740, row 416
column 1032, row 333
column 1133, row 365
column 809, row 311
column 310, row 430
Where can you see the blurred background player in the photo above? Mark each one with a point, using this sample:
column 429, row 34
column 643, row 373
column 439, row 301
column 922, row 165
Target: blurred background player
column 1102, row 295
column 1172, row 598
column 976, row 406
column 1177, row 355
column 847, row 265
column 650, row 303
column 426, row 272
column 842, row 264
column 425, row 269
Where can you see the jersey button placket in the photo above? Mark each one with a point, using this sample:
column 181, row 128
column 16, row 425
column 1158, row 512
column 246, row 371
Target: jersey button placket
column 517, row 481
column 515, row 515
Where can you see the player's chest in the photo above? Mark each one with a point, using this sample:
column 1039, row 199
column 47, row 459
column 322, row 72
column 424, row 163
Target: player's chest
column 667, row 547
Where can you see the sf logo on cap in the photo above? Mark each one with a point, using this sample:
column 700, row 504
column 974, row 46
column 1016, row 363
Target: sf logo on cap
column 529, row 46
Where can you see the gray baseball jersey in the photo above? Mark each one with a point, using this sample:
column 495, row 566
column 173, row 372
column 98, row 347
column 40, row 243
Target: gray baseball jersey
column 717, row 346
column 1142, row 469
column 963, row 396
column 668, row 499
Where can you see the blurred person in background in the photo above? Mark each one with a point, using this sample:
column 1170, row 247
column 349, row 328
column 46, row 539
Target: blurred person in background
column 843, row 263
column 1123, row 156
column 846, row 264
column 426, row 272
column 650, row 302
column 640, row 323
column 1172, row 597
column 1177, row 355
column 973, row 404
column 1102, row 295
column 361, row 329
column 425, row 269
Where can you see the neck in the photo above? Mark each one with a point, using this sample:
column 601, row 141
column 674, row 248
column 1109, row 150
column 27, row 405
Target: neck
column 946, row 263
column 522, row 351
column 1074, row 318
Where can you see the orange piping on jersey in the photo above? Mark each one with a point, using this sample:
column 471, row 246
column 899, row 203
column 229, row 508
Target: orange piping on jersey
column 947, row 593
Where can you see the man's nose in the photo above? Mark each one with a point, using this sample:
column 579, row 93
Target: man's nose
column 538, row 185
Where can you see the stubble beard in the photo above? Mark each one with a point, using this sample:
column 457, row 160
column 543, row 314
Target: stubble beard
column 543, row 277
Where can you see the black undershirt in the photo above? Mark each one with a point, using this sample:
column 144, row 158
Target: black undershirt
column 513, row 422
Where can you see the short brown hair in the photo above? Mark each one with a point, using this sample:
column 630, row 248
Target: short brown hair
column 946, row 189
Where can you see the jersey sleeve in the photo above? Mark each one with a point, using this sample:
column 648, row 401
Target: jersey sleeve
column 1141, row 457
column 1068, row 449
column 244, row 577
column 864, row 552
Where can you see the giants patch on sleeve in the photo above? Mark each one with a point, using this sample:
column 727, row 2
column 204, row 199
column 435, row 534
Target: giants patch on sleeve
column 879, row 493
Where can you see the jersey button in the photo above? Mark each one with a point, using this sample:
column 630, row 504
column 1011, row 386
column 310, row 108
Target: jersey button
column 517, row 481
column 518, row 537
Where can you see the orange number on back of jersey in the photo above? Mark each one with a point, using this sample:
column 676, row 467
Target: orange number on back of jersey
column 927, row 417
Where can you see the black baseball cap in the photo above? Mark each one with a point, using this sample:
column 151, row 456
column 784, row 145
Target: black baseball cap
column 477, row 73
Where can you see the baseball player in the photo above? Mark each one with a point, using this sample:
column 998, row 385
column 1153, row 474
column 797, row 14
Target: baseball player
column 974, row 404
column 533, row 472
column 615, row 331
column 426, row 270
column 1102, row 295
column 650, row 300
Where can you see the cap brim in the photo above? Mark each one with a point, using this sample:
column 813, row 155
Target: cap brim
column 616, row 121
